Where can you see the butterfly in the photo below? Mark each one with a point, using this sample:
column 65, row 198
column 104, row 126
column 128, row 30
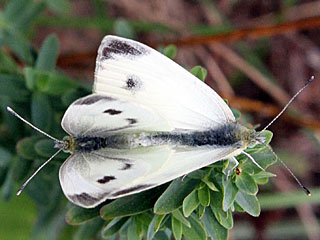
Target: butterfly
column 147, row 122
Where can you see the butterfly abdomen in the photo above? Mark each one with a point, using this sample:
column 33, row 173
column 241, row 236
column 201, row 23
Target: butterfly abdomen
column 226, row 135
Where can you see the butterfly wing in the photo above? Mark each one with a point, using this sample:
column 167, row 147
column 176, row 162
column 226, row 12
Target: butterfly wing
column 88, row 179
column 132, row 71
column 98, row 115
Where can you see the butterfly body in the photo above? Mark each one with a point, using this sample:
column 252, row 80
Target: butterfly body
column 232, row 134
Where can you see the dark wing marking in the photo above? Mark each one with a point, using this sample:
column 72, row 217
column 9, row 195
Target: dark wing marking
column 132, row 189
column 112, row 111
column 106, row 179
column 91, row 99
column 117, row 47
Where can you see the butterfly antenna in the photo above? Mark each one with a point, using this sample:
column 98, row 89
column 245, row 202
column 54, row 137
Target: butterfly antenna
column 290, row 101
column 35, row 173
column 10, row 110
column 306, row 190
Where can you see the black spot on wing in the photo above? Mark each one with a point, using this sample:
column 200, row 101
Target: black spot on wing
column 126, row 166
column 106, row 179
column 112, row 111
column 84, row 199
column 118, row 47
column 132, row 189
column 132, row 120
column 133, row 83
column 91, row 99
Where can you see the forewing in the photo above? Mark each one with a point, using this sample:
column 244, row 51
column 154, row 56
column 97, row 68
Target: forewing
column 96, row 115
column 135, row 72
column 88, row 179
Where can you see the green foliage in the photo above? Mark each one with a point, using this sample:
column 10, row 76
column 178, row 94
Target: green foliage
column 195, row 206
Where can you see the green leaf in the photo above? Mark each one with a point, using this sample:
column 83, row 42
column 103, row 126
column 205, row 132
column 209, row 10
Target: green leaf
column 204, row 196
column 224, row 218
column 25, row 147
column 113, row 227
column 262, row 177
column 201, row 210
column 176, row 227
column 79, row 215
column 159, row 220
column 89, row 230
column 179, row 216
column 190, row 203
column 132, row 230
column 246, row 183
column 155, row 225
column 210, row 184
column 199, row 72
column 48, row 55
column 229, row 194
column 196, row 231
column 131, row 205
column 268, row 136
column 170, row 51
column 161, row 236
column 236, row 113
column 173, row 197
column 214, row 229
column 248, row 203
column 41, row 112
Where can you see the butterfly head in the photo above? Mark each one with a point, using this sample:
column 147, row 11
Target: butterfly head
column 250, row 138
column 67, row 144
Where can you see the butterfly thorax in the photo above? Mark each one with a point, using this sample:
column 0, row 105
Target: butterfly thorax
column 230, row 134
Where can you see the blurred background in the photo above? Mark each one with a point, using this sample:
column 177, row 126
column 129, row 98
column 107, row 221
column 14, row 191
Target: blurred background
column 257, row 55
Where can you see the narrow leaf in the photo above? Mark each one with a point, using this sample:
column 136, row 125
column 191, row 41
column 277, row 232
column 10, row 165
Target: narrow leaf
column 249, row 203
column 170, row 51
column 204, row 196
column 176, row 227
column 214, row 229
column 131, row 205
column 79, row 215
column 196, row 231
column 229, row 194
column 178, row 215
column 48, row 54
column 173, row 197
column 246, row 183
column 190, row 203
column 89, row 230
column 199, row 72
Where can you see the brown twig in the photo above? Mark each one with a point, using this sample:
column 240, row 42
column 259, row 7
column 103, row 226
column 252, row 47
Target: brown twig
column 247, row 105
column 248, row 32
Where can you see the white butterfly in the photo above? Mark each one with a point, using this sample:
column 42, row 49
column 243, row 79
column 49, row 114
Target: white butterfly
column 147, row 122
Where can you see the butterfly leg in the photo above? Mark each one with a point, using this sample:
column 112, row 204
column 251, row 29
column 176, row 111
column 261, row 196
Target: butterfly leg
column 252, row 159
column 235, row 162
